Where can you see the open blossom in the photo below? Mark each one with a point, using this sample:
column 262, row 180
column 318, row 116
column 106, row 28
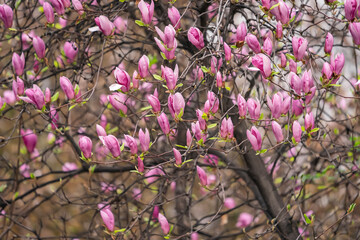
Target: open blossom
column 263, row 63
column 105, row 25
column 195, row 36
column 337, row 63
column 35, row 96
column 147, row 11
column 212, row 103
column 254, row 137
column 131, row 143
column 281, row 12
column 169, row 43
column 18, row 87
column 122, row 78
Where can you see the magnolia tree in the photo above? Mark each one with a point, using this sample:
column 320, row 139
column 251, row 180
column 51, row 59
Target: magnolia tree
column 180, row 120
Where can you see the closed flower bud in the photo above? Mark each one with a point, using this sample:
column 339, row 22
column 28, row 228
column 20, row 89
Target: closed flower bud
column 307, row 81
column 140, row 165
column 107, row 217
column 241, row 32
column 39, row 46
column 195, row 36
column 155, row 103
column 201, row 120
column 327, row 71
column 18, row 63
column 176, row 105
column 164, row 224
column 227, row 51
column 299, row 45
column 49, row 12
column 188, row 138
column 105, row 25
column 276, row 128
column 170, row 76
column 100, row 131
column 177, row 155
column 329, row 42
column 112, row 144
column 144, row 138
column 85, row 145
column 212, row 103
column 117, row 100
column 337, row 63
column 6, row 15
column 29, row 139
column 354, row 28
column 78, row 6
column 279, row 30
column 283, row 60
column 350, row 9
column 18, row 87
column 296, row 83
column 309, row 122
column 70, row 50
column 242, row 105
column 147, row 11
column 67, row 87
column 143, row 66
column 174, row 17
column 202, row 176
column 293, row 66
column 268, row 46
column 253, row 43
column 219, row 80
column 253, row 106
column 296, row 128
column 164, row 123
column 254, row 138
column 131, row 143
column 275, row 105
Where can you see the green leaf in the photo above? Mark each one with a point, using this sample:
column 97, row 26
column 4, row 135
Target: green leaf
column 261, row 116
column 13, row 29
column 157, row 77
column 181, row 146
column 145, row 108
column 2, row 187
column 17, row 4
column 205, row 117
column 163, row 55
column 140, row 23
column 77, row 89
column 212, row 125
column 55, row 97
column 15, row 195
column 204, row 69
column 56, row 64
column 288, row 55
column 314, row 130
column 152, row 59
column 334, row 85
column 41, row 9
column 122, row 147
column 179, row 85
column 293, row 141
column 233, row 47
column 44, row 69
column 228, row 88
column 298, row 69
column 32, row 176
column 71, row 107
column 92, row 169
column 263, row 151
column 113, row 130
column 351, row 208
column 274, row 6
column 122, row 229
column 307, row 220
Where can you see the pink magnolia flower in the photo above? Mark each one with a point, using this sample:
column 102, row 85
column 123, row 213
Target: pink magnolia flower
column 143, row 66
column 144, row 138
column 39, row 46
column 29, row 139
column 263, row 63
column 299, row 45
column 117, row 100
column 202, row 176
column 174, row 16
column 309, row 122
column 107, row 216
column 354, row 28
column 122, row 78
column 350, row 9
column 24, row 170
column 112, row 144
column 69, row 166
column 176, row 105
column 329, row 42
column 229, row 203
column 49, row 12
column 147, row 11
column 254, row 137
column 131, row 143
column 227, row 129
column 164, row 123
column 296, row 128
column 164, row 224
column 120, row 24
column 244, row 220
column 253, row 43
column 78, row 6
column 34, row 96
column 105, row 25
column 6, row 15
column 153, row 174
column 18, row 87
column 70, row 50
column 253, row 106
column 242, row 105
column 277, row 130
column 18, row 63
column 67, row 87
column 85, row 145
column 195, row 36
column 59, row 6
column 170, row 76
